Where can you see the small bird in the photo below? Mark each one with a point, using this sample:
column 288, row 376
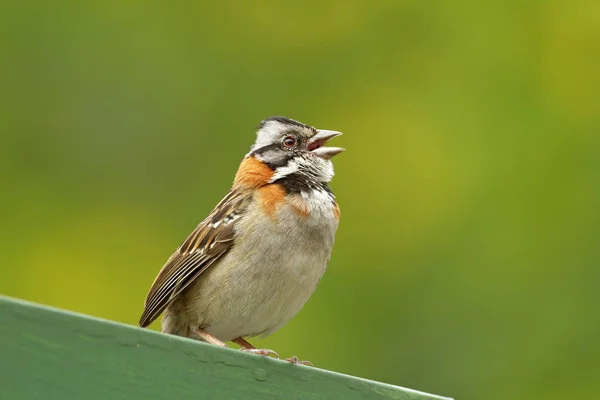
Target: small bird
column 252, row 264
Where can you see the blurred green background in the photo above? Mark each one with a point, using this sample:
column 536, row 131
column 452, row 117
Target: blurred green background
column 467, row 258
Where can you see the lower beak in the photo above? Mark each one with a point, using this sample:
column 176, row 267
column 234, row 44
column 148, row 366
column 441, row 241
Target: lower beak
column 315, row 145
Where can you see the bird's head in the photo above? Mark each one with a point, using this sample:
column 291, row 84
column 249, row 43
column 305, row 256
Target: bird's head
column 295, row 151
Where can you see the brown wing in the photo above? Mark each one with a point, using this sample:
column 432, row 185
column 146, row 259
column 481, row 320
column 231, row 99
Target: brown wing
column 206, row 244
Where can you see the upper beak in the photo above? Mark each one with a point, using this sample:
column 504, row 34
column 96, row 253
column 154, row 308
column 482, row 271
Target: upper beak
column 315, row 145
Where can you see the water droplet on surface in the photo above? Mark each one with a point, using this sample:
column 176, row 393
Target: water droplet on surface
column 260, row 375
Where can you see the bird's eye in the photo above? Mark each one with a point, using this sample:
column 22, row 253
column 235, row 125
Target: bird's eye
column 289, row 142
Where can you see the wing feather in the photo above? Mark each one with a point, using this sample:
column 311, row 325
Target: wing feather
column 203, row 247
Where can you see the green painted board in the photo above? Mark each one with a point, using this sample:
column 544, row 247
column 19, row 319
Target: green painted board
column 46, row 353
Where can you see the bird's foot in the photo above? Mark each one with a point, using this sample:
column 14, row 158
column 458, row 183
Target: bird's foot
column 261, row 352
column 294, row 360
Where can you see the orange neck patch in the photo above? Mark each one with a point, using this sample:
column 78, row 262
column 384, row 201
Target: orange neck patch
column 252, row 173
column 336, row 211
column 271, row 196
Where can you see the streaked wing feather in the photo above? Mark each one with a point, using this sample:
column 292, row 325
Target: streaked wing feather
column 204, row 246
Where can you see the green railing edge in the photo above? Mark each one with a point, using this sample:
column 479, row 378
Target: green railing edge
column 62, row 355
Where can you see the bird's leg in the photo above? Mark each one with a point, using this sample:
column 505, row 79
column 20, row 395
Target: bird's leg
column 207, row 337
column 248, row 348
column 294, row 360
column 243, row 343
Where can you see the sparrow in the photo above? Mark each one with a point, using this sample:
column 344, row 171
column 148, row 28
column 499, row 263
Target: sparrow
column 252, row 264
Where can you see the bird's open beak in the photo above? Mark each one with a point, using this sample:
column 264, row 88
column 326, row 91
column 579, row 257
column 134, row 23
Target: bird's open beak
column 315, row 145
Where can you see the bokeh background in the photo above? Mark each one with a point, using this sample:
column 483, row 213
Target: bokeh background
column 467, row 258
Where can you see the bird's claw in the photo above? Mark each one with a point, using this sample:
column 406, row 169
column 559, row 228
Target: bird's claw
column 261, row 352
column 294, row 360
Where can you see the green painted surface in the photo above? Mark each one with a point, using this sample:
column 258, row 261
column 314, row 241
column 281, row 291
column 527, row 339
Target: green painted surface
column 53, row 354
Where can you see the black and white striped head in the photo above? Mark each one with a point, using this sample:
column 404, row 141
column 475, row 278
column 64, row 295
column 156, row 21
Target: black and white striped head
column 295, row 151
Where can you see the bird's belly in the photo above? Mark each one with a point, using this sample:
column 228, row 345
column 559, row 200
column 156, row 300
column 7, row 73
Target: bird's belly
column 256, row 300
column 258, row 287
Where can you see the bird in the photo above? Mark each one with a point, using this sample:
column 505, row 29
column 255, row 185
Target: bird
column 253, row 263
